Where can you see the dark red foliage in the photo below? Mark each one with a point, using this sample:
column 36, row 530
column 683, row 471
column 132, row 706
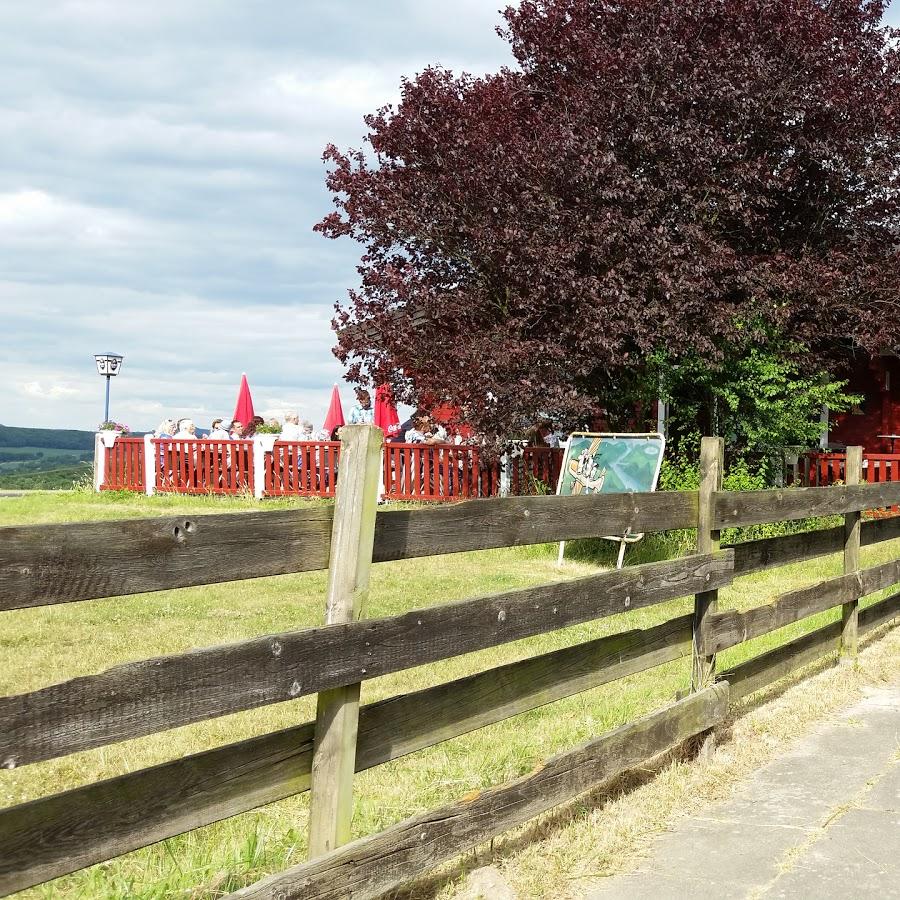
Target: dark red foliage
column 655, row 175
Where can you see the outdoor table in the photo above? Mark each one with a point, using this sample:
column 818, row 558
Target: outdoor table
column 892, row 438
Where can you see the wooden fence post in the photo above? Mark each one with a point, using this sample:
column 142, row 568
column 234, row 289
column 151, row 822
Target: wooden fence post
column 712, row 461
column 337, row 713
column 852, row 525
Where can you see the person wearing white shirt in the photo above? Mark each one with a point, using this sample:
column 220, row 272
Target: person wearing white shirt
column 291, row 430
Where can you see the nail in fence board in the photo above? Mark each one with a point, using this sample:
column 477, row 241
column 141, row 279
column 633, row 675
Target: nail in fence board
column 56, row 835
column 45, row 564
column 731, row 627
column 371, row 866
column 151, row 695
column 756, row 507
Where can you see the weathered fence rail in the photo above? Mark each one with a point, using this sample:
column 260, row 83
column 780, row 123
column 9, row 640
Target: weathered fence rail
column 41, row 565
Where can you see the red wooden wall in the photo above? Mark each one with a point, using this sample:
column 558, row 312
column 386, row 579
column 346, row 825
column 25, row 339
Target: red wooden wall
column 878, row 380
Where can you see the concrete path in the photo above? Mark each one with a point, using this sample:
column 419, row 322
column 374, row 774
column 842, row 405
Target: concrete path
column 822, row 821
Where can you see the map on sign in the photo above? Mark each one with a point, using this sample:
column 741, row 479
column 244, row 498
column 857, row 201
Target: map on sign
column 610, row 464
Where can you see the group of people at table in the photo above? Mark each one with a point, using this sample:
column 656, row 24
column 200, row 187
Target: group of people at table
column 418, row 429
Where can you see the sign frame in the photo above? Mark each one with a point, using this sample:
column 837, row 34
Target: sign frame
column 627, row 537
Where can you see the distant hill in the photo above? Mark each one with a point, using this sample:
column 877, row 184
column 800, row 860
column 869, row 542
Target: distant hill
column 56, row 438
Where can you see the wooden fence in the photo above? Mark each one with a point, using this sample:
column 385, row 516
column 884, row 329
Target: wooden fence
column 49, row 564
column 421, row 472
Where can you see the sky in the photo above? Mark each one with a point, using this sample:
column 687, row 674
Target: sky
column 160, row 174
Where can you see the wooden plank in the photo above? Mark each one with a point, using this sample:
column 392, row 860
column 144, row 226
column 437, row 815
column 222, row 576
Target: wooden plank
column 766, row 668
column 769, row 667
column 337, row 710
column 371, row 866
column 140, row 698
column 45, row 564
column 731, row 627
column 770, row 553
column 852, row 524
column 755, row 507
column 712, row 464
column 878, row 614
column 56, row 835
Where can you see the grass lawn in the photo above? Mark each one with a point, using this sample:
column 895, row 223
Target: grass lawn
column 42, row 646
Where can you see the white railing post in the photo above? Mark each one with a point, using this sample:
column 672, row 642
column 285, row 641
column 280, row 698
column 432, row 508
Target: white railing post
column 504, row 475
column 149, row 466
column 259, row 468
column 99, row 462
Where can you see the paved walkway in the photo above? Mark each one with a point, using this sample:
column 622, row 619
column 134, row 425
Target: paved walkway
column 822, row 821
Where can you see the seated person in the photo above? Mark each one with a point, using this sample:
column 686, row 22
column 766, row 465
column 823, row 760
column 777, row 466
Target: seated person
column 291, row 430
column 219, row 430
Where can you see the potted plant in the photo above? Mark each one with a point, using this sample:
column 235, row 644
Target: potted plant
column 266, row 434
column 109, row 431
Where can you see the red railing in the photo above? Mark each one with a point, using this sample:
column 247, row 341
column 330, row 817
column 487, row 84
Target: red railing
column 203, row 466
column 302, row 469
column 124, row 465
column 535, row 471
column 443, row 472
column 434, row 472
column 819, row 469
column 427, row 472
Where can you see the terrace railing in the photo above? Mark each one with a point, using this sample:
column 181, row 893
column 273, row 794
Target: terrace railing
column 61, row 833
column 422, row 472
column 123, row 465
column 203, row 466
column 302, row 469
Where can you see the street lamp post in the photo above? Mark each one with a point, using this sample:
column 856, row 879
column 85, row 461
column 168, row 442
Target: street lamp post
column 108, row 364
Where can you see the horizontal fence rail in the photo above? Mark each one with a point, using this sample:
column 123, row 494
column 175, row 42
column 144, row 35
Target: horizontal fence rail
column 762, row 670
column 140, row 698
column 56, row 835
column 46, row 564
column 731, row 627
column 735, row 508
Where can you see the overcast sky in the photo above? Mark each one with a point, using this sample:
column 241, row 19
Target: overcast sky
column 160, row 175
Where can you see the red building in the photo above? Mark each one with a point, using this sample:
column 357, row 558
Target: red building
column 878, row 381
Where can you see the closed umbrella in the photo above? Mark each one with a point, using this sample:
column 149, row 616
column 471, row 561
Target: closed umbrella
column 335, row 417
column 386, row 417
column 243, row 411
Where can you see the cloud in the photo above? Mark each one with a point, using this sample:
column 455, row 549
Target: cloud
column 55, row 391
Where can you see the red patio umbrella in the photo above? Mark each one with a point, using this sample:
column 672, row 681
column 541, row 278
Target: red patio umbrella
column 386, row 417
column 243, row 411
column 335, row 417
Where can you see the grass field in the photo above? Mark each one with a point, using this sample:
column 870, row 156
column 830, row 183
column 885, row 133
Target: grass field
column 42, row 646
